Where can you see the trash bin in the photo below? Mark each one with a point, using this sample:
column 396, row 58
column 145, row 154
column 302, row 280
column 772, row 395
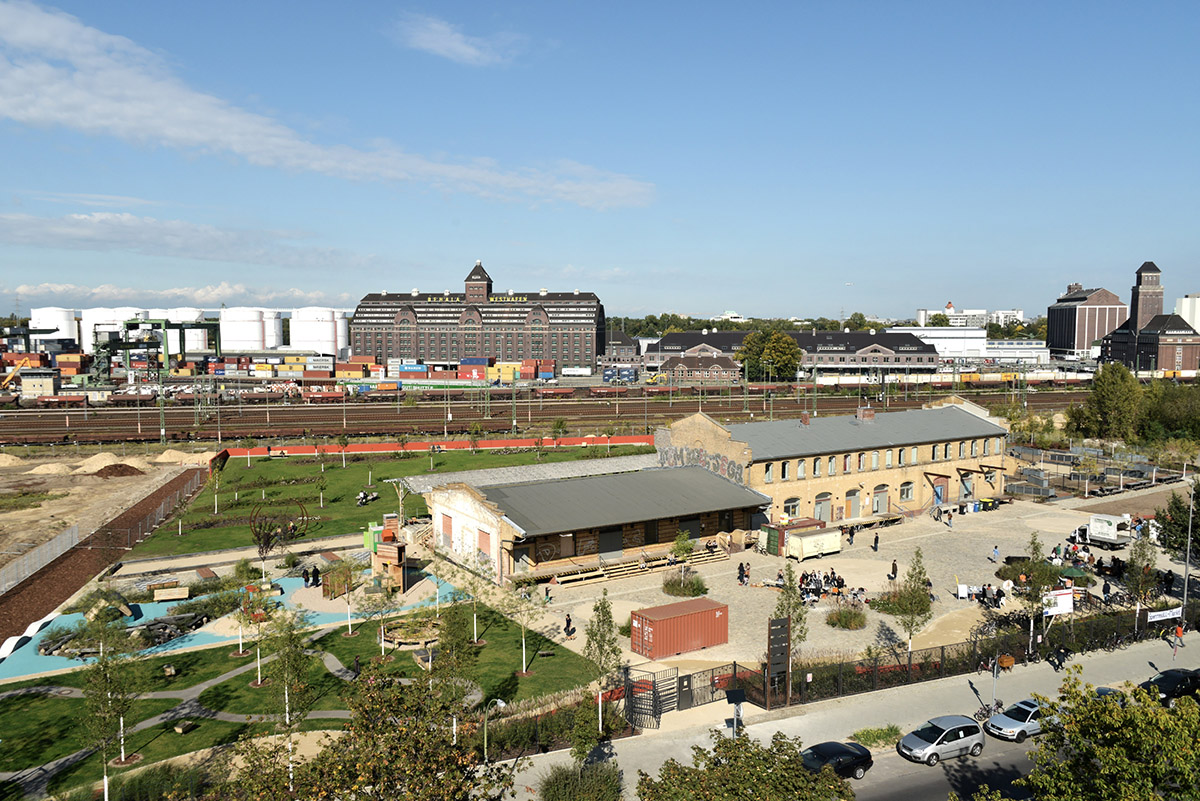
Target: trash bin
column 976, row 509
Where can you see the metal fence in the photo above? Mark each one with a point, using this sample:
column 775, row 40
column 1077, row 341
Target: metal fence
column 32, row 561
column 894, row 666
column 129, row 536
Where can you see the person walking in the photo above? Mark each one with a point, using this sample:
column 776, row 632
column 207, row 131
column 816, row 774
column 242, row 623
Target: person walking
column 895, row 571
column 747, row 574
column 996, row 553
column 852, row 530
column 316, row 577
column 305, row 576
column 568, row 629
column 876, row 545
column 1107, row 590
column 741, row 573
column 950, row 519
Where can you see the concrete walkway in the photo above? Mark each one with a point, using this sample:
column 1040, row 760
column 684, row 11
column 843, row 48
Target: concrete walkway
column 186, row 562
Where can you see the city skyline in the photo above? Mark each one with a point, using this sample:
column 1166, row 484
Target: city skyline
column 789, row 162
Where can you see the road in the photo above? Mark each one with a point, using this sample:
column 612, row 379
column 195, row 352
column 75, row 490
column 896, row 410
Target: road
column 908, row 706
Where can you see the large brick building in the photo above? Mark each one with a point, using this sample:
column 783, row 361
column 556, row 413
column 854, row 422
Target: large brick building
column 448, row 326
column 1149, row 339
column 1080, row 318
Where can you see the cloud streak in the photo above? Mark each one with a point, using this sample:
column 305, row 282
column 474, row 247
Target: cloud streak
column 210, row 297
column 440, row 38
column 148, row 236
column 57, row 72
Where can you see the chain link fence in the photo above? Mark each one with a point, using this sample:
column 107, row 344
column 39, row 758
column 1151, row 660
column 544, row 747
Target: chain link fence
column 128, row 536
column 32, row 561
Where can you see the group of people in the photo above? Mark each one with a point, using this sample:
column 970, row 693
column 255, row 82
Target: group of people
column 744, row 574
column 312, row 579
column 993, row 597
column 1077, row 555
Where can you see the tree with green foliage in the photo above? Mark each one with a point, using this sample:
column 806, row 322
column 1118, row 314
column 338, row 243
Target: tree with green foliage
column 1140, row 576
column 600, row 639
column 741, row 769
column 476, row 578
column 343, row 442
column 1116, row 747
column 769, row 355
column 291, row 693
column 455, row 646
column 111, row 684
column 1112, row 409
column 558, row 429
column 520, row 604
column 856, row 322
column 341, row 579
column 1040, row 578
column 914, row 608
column 939, row 320
column 1173, row 521
column 791, row 604
column 473, row 435
column 585, row 732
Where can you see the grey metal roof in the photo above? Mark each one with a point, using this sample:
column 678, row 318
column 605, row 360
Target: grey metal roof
column 784, row 439
column 548, row 507
column 533, row 472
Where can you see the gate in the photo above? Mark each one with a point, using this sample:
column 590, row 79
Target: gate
column 648, row 695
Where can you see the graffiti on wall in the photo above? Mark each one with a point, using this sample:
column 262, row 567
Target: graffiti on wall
column 717, row 463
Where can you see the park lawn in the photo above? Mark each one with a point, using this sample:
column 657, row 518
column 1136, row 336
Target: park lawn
column 11, row 791
column 366, row 647
column 237, row 696
column 154, row 744
column 191, row 667
column 496, row 663
column 38, row 728
column 282, row 483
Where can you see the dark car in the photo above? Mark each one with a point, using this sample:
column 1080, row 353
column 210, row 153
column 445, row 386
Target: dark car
column 1171, row 685
column 848, row 760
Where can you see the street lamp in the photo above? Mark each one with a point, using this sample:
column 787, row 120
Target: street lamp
column 499, row 704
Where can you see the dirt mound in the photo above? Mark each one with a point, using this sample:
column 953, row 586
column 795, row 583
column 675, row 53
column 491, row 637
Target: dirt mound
column 118, row 470
column 8, row 460
column 139, row 463
column 171, row 456
column 94, row 463
column 50, row 470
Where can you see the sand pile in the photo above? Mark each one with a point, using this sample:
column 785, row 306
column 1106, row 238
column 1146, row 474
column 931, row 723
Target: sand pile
column 8, row 460
column 139, row 463
column 118, row 470
column 50, row 470
column 172, row 456
column 94, row 463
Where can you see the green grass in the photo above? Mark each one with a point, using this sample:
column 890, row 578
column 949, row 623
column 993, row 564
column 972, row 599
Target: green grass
column 366, row 647
column 154, row 744
column 237, row 696
column 501, row 657
column 38, row 728
column 25, row 499
column 877, row 736
column 11, row 791
column 287, row 481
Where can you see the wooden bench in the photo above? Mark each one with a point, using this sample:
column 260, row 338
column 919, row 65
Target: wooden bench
column 184, row 726
column 330, row 557
column 172, row 594
column 205, row 573
column 165, row 584
column 545, row 653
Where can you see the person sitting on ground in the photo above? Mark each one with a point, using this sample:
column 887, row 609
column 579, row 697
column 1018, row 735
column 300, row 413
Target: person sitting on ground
column 711, row 546
column 642, row 562
column 779, row 577
column 670, row 558
column 841, row 583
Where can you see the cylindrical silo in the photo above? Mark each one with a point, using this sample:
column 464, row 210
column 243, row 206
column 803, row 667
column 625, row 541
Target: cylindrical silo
column 272, row 328
column 315, row 328
column 194, row 340
column 242, row 329
column 106, row 320
column 343, row 333
column 54, row 317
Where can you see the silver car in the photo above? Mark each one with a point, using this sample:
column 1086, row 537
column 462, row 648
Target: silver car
column 942, row 738
column 1018, row 722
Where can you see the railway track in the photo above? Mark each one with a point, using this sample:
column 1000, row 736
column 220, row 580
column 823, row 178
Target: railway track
column 428, row 417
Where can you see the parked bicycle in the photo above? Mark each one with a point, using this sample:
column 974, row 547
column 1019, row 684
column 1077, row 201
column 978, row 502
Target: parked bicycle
column 987, row 710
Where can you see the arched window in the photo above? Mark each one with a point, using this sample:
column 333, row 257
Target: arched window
column 791, row 507
column 822, row 507
column 906, row 491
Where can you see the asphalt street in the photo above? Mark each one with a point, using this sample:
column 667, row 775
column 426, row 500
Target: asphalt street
column 892, row 777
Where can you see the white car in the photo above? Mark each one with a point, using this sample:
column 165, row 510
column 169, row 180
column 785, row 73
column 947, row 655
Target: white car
column 1019, row 721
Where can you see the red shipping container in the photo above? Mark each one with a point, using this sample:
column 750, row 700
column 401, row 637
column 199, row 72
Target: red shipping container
column 677, row 628
column 362, row 359
column 529, row 362
column 317, row 374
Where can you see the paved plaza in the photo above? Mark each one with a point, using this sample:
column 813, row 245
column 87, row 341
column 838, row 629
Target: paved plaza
column 961, row 554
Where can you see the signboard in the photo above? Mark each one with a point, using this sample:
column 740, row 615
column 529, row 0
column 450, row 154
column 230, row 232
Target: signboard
column 1166, row 614
column 1059, row 602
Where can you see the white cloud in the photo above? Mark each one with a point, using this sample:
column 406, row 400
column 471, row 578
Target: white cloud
column 56, row 71
column 147, row 236
column 436, row 36
column 88, row 199
column 209, row 297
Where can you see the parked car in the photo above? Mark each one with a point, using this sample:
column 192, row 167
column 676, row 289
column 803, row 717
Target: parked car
column 1171, row 685
column 942, row 738
column 1019, row 721
column 848, row 760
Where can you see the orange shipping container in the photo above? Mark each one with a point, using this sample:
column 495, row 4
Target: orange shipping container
column 663, row 631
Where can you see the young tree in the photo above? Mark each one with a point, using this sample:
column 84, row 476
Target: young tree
column 913, row 607
column 291, row 691
column 111, row 684
column 1173, row 521
column 341, row 579
column 740, row 768
column 343, row 442
column 1140, row 575
column 791, row 604
column 473, row 435
column 522, row 607
column 322, row 484
column 1113, row 408
column 378, row 605
column 600, row 638
column 558, row 429
column 476, row 579
column 609, row 432
column 681, row 549
column 1040, row 578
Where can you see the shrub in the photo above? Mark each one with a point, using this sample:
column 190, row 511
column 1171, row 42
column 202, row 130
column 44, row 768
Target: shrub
column 879, row 735
column 246, row 572
column 684, row 586
column 600, row 781
column 626, row 628
column 212, row 606
column 845, row 617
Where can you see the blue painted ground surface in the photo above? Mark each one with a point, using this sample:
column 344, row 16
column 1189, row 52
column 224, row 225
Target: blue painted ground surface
column 26, row 661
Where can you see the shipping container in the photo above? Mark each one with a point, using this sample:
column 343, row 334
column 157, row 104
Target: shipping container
column 664, row 631
column 546, row 376
column 362, row 359
column 407, row 368
column 577, row 371
column 318, row 374
column 475, row 360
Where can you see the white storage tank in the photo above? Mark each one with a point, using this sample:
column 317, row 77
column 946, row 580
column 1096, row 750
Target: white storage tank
column 105, row 319
column 343, row 333
column 54, row 317
column 242, row 329
column 194, row 339
column 315, row 328
column 272, row 328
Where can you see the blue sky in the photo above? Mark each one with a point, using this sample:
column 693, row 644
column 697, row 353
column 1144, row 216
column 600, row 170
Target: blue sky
column 778, row 159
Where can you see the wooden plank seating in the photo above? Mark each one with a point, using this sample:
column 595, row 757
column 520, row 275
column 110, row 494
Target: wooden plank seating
column 545, row 653
column 172, row 594
column 185, row 726
column 206, row 573
column 165, row 584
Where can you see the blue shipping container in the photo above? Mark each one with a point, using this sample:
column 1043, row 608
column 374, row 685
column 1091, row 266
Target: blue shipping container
column 475, row 360
column 409, row 368
column 218, row 372
column 546, row 375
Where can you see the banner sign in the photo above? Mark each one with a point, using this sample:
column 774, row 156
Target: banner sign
column 1165, row 614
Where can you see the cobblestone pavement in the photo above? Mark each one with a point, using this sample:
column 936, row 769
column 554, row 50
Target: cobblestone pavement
column 961, row 554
